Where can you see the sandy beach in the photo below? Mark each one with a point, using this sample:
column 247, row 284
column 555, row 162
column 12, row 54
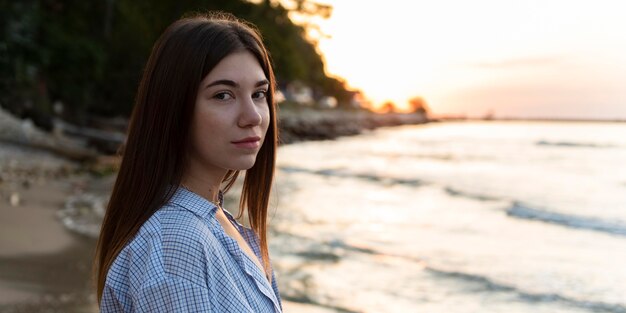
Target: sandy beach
column 371, row 224
column 51, row 206
column 45, row 267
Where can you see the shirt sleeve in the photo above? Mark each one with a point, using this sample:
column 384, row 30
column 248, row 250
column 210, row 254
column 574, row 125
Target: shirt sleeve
column 110, row 303
column 171, row 294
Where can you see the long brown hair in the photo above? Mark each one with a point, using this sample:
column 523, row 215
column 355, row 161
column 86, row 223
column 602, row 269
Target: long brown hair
column 153, row 158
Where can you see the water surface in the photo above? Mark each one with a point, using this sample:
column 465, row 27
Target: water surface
column 456, row 217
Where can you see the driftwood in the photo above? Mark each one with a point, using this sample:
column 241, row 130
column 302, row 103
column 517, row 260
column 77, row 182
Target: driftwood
column 24, row 132
column 106, row 141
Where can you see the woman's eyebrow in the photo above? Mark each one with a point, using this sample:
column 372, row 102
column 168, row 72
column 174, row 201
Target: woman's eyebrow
column 231, row 83
column 223, row 82
column 261, row 83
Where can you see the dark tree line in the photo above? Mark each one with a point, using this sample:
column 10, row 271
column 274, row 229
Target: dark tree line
column 89, row 55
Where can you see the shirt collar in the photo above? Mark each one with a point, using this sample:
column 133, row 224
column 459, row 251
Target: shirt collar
column 200, row 206
column 193, row 202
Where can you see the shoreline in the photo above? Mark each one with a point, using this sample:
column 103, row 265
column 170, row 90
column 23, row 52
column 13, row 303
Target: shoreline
column 44, row 266
column 308, row 124
column 294, row 124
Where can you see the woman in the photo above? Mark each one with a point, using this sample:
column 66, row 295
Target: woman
column 204, row 111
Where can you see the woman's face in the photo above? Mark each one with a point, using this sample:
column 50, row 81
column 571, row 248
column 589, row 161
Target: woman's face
column 231, row 115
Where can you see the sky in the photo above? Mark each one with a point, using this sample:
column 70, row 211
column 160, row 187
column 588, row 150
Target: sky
column 522, row 59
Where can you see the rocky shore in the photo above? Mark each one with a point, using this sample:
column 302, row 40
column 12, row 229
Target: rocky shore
column 51, row 204
column 310, row 124
column 296, row 124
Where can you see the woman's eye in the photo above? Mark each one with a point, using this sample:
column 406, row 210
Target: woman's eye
column 259, row 94
column 223, row 96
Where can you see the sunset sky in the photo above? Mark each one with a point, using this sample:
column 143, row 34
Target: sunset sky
column 563, row 59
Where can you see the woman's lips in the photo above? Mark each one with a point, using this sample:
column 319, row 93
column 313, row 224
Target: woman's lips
column 248, row 143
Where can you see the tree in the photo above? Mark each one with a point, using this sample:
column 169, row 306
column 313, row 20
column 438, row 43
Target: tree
column 418, row 105
column 388, row 107
column 90, row 55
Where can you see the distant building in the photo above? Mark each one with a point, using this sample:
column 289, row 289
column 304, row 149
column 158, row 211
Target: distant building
column 327, row 102
column 279, row 96
column 358, row 100
column 300, row 93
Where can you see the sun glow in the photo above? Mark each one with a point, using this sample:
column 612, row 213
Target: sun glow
column 511, row 57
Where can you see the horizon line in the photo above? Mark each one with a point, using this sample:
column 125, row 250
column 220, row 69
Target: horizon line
column 529, row 119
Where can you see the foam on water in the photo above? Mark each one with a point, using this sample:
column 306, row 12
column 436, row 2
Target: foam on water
column 611, row 227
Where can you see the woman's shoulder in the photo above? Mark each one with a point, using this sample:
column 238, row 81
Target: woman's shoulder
column 178, row 225
column 173, row 242
column 172, row 226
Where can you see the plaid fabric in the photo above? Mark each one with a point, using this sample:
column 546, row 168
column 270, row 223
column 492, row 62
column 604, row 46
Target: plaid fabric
column 181, row 260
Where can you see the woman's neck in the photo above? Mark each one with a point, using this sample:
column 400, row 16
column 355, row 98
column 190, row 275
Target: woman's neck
column 206, row 187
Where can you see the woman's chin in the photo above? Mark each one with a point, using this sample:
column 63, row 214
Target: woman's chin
column 243, row 165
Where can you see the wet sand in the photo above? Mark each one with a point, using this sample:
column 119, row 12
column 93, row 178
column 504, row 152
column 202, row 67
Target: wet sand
column 44, row 267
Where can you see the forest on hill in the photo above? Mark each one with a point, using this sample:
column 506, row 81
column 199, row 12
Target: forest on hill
column 89, row 55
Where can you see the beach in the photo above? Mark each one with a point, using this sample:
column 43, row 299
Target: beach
column 45, row 262
column 52, row 197
column 442, row 217
column 44, row 267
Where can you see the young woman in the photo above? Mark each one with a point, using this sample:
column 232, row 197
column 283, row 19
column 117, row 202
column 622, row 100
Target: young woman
column 204, row 111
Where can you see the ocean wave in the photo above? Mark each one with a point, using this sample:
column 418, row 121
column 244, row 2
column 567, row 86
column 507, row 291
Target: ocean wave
column 489, row 285
column 83, row 214
column 572, row 144
column 457, row 193
column 346, row 174
column 478, row 283
column 327, row 251
column 520, row 210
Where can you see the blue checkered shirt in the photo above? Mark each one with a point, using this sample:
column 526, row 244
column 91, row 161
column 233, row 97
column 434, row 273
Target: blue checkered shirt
column 181, row 260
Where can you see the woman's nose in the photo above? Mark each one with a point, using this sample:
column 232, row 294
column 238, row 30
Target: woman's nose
column 249, row 115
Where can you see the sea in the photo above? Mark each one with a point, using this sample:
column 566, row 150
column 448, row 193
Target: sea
column 470, row 216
